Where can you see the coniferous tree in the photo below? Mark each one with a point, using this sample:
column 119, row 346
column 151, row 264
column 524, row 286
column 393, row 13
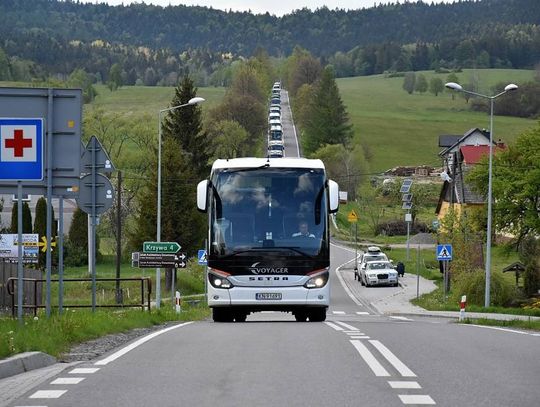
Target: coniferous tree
column 185, row 125
column 40, row 225
column 328, row 121
column 77, row 242
column 26, row 218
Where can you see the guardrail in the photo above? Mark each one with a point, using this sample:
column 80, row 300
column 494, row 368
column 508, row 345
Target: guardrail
column 10, row 285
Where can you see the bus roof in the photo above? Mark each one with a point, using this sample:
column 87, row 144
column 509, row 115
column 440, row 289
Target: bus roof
column 252, row 162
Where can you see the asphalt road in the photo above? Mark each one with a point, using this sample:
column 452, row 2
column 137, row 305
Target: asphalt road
column 357, row 357
column 360, row 356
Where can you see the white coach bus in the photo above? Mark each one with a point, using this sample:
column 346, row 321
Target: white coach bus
column 268, row 237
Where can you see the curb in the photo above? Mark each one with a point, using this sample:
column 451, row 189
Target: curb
column 24, row 362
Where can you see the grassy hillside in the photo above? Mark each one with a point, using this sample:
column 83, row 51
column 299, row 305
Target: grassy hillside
column 403, row 129
column 148, row 99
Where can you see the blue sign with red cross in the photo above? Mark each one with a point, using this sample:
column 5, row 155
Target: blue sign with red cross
column 21, row 149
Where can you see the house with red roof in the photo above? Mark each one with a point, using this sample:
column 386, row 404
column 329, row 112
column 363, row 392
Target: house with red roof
column 459, row 155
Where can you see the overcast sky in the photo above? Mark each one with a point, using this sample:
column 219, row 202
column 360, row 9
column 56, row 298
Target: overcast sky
column 277, row 7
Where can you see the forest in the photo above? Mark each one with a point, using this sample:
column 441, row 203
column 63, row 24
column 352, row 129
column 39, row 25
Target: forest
column 156, row 45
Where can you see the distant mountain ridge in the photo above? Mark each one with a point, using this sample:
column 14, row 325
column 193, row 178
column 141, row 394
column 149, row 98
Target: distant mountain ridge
column 323, row 32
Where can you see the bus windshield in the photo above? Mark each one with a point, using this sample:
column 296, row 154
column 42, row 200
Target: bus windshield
column 270, row 210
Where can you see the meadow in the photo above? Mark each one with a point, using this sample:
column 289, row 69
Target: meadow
column 403, row 129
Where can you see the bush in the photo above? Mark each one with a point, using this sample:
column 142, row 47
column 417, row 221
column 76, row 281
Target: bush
column 399, row 228
column 473, row 286
column 75, row 256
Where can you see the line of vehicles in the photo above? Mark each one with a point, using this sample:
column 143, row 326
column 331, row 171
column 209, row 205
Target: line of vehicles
column 376, row 269
column 276, row 147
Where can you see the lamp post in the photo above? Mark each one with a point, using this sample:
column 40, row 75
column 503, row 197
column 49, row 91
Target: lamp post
column 507, row 88
column 192, row 101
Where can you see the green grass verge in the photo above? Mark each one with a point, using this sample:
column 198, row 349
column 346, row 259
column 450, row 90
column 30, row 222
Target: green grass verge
column 55, row 335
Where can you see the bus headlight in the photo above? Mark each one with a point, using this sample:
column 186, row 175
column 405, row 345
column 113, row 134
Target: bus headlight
column 219, row 279
column 318, row 279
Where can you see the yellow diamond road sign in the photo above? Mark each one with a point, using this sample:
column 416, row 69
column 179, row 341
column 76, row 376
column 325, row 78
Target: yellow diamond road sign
column 352, row 216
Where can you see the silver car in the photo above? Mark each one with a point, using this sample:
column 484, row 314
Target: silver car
column 378, row 273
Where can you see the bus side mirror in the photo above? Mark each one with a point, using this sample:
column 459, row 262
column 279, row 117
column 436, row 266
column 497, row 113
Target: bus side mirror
column 333, row 192
column 202, row 194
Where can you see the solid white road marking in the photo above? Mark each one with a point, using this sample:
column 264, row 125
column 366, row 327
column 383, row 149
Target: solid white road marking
column 334, row 326
column 136, row 344
column 68, row 380
column 401, row 318
column 416, row 399
column 47, row 394
column 362, row 313
column 404, row 385
column 349, row 327
column 500, row 329
column 340, row 277
column 388, row 355
column 84, row 370
column 368, row 357
column 338, row 312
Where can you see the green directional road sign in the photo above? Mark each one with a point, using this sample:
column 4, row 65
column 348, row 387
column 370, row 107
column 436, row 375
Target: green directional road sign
column 161, row 247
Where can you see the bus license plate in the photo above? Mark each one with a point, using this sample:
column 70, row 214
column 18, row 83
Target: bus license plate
column 268, row 296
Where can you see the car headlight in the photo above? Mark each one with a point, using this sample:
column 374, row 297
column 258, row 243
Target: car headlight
column 219, row 279
column 318, row 279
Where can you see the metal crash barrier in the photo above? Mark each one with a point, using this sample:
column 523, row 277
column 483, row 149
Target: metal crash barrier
column 144, row 303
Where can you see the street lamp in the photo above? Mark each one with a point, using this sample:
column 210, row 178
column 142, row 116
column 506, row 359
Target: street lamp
column 192, row 101
column 508, row 88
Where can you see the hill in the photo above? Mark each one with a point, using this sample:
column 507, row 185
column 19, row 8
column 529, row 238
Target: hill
column 403, row 129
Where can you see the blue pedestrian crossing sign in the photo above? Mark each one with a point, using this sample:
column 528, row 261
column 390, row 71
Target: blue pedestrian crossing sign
column 21, row 149
column 444, row 252
column 202, row 257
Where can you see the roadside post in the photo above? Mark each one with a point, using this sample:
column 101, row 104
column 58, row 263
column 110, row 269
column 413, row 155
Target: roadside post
column 444, row 254
column 178, row 304
column 407, row 205
column 352, row 217
column 462, row 306
column 417, row 271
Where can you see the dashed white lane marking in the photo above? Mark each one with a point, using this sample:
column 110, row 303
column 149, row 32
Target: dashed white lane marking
column 368, row 357
column 68, row 380
column 349, row 327
column 535, row 334
column 136, row 344
column 84, row 370
column 362, row 313
column 359, row 337
column 334, row 326
column 401, row 318
column 404, row 385
column 388, row 355
column 338, row 312
column 416, row 399
column 47, row 394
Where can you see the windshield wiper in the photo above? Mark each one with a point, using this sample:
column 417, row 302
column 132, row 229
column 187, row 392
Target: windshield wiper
column 265, row 165
column 268, row 249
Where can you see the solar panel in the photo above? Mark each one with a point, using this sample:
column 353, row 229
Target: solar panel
column 407, row 198
column 407, row 205
column 406, row 186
